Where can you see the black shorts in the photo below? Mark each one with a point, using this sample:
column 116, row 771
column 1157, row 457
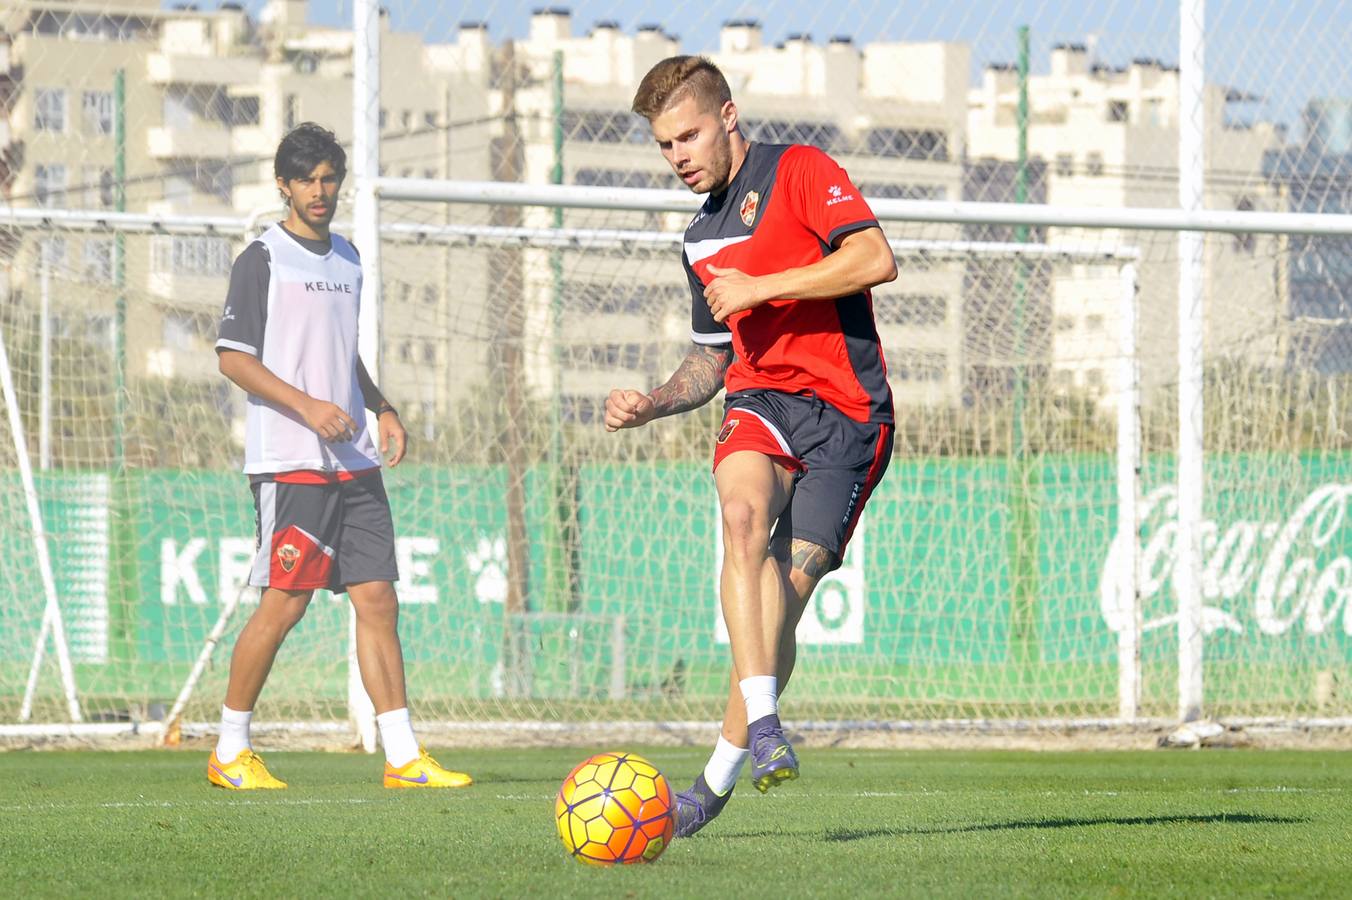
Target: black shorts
column 837, row 461
column 318, row 533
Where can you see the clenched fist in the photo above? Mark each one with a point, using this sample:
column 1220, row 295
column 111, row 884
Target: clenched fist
column 628, row 409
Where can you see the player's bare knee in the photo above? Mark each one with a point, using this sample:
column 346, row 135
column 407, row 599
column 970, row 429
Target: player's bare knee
column 376, row 604
column 745, row 528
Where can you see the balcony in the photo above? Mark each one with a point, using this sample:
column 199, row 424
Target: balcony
column 209, row 140
column 163, row 68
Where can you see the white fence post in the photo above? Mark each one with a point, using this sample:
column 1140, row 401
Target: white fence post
column 1191, row 246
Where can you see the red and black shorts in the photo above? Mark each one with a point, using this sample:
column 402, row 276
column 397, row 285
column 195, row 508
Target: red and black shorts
column 837, row 462
column 322, row 530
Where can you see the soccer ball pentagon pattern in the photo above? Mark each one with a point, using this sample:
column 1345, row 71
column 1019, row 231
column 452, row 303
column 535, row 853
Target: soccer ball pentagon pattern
column 615, row 808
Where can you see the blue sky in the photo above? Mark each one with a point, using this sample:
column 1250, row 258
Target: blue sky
column 1287, row 51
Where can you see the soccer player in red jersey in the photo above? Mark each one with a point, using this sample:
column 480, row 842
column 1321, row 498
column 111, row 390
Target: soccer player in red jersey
column 780, row 258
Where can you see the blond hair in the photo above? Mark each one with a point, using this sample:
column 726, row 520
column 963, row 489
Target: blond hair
column 678, row 77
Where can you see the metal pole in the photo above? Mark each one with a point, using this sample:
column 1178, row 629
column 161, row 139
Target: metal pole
column 509, row 372
column 120, row 272
column 1191, row 189
column 1128, row 494
column 561, row 552
column 1023, row 534
column 366, row 236
column 45, row 369
column 123, row 565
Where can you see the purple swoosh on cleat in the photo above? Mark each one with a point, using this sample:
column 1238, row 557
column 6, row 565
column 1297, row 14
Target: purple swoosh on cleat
column 421, row 779
column 235, row 781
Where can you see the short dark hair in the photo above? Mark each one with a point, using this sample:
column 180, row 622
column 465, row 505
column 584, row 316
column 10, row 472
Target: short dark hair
column 677, row 77
column 306, row 146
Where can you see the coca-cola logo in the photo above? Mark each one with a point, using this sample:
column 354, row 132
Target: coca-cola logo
column 1273, row 575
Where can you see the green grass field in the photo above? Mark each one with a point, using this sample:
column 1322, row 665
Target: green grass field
column 859, row 824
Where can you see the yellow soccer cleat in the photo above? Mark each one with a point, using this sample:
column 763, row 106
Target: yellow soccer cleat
column 246, row 773
column 424, row 772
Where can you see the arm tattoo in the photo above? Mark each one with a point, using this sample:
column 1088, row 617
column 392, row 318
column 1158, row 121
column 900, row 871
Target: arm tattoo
column 696, row 380
column 813, row 560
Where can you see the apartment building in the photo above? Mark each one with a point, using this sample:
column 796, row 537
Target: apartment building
column 207, row 96
column 209, row 93
column 1109, row 137
column 1314, row 175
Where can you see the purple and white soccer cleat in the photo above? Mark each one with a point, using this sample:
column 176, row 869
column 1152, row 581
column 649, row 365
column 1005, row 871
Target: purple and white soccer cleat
column 772, row 757
column 698, row 807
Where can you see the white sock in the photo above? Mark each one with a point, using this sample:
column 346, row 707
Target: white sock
column 722, row 769
column 760, row 693
column 234, row 734
column 396, row 733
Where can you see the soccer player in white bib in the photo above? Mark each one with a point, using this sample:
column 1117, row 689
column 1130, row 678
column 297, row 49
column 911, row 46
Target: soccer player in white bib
column 288, row 338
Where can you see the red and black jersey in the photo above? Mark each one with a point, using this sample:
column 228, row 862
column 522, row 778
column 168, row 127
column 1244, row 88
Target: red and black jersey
column 786, row 208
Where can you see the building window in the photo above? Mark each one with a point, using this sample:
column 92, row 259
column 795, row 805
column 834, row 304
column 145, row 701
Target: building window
column 384, row 118
column 244, row 111
column 1093, row 323
column 605, row 127
column 1065, row 323
column 1117, row 111
column 49, row 110
column 907, row 143
column 96, row 184
column 430, row 119
column 915, row 310
column 881, row 190
column 49, row 185
column 1065, row 164
column 1064, row 379
column 429, row 295
column 184, row 330
column 192, row 255
column 1094, row 164
column 1245, row 243
column 429, row 352
column 825, row 135
column 406, row 120
column 52, row 252
column 291, row 112
column 922, row 366
column 97, row 110
column 98, row 259
column 606, row 356
column 1094, row 379
column 406, row 351
column 429, row 173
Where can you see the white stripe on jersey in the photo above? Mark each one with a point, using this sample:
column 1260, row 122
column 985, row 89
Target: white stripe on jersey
column 698, row 250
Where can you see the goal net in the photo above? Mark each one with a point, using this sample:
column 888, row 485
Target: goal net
column 551, row 572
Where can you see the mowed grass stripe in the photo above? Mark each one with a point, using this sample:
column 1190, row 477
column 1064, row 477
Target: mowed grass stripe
column 862, row 823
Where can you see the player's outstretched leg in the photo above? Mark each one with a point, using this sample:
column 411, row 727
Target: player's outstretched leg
column 772, row 758
column 712, row 789
column 698, row 806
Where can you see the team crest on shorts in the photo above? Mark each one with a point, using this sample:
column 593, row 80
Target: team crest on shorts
column 726, row 433
column 288, row 555
column 749, row 204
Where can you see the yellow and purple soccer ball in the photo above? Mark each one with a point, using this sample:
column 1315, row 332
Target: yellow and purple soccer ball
column 615, row 808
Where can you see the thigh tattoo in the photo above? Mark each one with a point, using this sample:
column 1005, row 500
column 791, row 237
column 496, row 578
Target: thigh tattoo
column 813, row 560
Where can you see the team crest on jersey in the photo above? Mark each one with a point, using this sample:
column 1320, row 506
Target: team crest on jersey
column 749, row 204
column 728, row 428
column 288, row 555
